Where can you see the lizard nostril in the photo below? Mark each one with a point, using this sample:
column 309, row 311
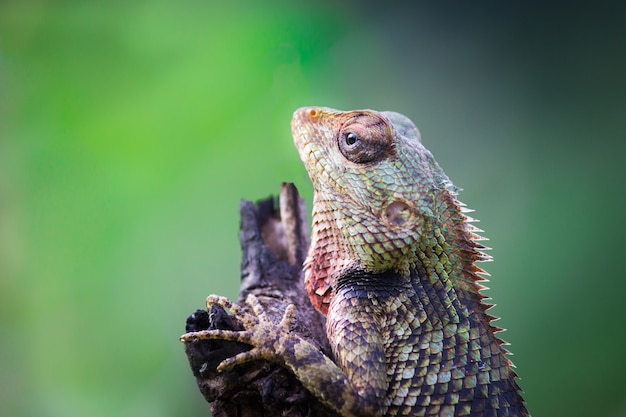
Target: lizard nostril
column 313, row 113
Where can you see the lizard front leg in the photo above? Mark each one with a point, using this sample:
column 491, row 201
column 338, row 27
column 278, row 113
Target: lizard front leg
column 274, row 342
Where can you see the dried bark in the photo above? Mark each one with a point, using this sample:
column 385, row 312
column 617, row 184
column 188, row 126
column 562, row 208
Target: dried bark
column 274, row 240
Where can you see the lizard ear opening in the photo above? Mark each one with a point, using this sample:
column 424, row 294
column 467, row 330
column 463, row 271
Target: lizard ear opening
column 399, row 214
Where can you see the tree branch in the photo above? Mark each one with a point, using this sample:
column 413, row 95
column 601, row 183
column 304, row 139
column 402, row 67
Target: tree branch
column 274, row 240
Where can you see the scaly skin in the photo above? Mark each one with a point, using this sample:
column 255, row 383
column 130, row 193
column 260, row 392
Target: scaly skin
column 392, row 265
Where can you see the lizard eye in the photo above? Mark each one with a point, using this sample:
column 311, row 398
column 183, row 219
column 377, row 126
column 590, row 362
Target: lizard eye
column 365, row 139
column 351, row 139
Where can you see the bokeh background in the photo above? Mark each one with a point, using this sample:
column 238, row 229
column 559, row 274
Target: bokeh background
column 129, row 132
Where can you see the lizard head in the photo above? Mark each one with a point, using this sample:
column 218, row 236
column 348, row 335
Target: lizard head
column 375, row 188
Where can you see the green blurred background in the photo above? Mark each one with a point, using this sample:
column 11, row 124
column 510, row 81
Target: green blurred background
column 129, row 132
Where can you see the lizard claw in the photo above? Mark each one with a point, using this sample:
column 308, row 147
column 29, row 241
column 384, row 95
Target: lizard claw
column 260, row 314
column 288, row 316
column 248, row 320
column 259, row 331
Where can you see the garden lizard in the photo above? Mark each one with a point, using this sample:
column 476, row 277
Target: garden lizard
column 392, row 266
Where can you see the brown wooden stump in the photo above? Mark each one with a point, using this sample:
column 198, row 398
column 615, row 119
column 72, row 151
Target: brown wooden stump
column 274, row 240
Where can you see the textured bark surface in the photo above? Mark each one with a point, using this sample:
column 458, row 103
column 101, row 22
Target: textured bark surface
column 274, row 241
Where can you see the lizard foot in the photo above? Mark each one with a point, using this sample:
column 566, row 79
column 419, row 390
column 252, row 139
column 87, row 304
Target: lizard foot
column 265, row 337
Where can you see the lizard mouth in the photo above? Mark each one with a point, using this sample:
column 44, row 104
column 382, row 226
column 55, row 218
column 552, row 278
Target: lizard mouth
column 301, row 125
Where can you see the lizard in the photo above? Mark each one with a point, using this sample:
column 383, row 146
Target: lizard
column 392, row 265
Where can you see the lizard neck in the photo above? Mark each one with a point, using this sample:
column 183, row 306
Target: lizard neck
column 327, row 256
column 443, row 246
column 447, row 288
column 446, row 269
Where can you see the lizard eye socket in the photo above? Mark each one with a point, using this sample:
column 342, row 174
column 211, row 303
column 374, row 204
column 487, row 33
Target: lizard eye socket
column 365, row 139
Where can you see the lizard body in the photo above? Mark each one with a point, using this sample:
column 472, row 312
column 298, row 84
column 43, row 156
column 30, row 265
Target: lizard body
column 392, row 265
